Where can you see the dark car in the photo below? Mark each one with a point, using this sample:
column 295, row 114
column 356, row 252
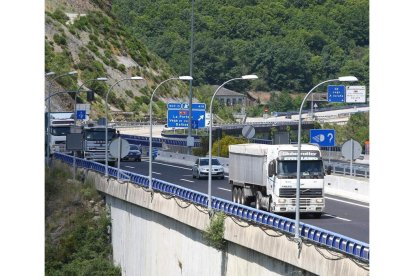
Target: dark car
column 134, row 153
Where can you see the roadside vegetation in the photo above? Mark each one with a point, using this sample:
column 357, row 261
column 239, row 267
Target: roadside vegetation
column 77, row 238
column 214, row 234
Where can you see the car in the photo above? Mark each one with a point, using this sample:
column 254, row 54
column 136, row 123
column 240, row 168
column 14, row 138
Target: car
column 134, row 153
column 201, row 167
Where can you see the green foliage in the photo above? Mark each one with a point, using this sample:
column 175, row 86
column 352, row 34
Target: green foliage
column 214, row 234
column 224, row 145
column 129, row 93
column 60, row 39
column 203, row 149
column 60, row 16
column 122, row 68
column 77, row 239
column 357, row 129
column 290, row 45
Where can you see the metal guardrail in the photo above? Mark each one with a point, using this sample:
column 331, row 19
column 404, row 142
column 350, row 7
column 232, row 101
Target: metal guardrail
column 331, row 240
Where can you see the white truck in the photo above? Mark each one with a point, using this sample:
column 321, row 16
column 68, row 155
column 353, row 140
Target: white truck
column 266, row 175
column 59, row 128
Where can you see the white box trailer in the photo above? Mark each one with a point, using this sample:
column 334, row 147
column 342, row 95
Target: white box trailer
column 266, row 175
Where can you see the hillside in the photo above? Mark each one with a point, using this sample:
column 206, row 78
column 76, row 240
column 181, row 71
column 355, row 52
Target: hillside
column 84, row 36
column 290, row 45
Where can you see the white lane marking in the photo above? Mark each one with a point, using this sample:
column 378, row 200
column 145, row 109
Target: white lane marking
column 224, row 189
column 129, row 167
column 352, row 203
column 172, row 166
column 336, row 217
column 156, row 173
column 187, row 180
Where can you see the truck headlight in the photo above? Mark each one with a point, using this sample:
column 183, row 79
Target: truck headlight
column 281, row 200
column 319, row 200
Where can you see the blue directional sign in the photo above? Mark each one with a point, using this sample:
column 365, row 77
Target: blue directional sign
column 322, row 137
column 178, row 115
column 80, row 114
column 336, row 93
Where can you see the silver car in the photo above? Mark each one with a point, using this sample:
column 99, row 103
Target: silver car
column 201, row 167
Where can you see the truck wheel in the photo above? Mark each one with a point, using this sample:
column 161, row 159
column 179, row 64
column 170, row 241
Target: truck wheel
column 234, row 194
column 258, row 198
column 242, row 197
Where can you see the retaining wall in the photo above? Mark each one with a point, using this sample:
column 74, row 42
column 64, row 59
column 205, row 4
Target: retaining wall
column 154, row 234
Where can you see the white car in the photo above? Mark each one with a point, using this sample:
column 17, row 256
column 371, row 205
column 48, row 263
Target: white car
column 201, row 167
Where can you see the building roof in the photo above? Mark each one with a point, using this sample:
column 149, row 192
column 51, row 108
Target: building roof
column 263, row 97
column 224, row 92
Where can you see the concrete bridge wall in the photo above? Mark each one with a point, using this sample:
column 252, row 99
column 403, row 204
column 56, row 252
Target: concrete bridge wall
column 161, row 235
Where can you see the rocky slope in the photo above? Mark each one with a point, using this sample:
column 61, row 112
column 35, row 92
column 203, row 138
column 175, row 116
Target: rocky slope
column 83, row 36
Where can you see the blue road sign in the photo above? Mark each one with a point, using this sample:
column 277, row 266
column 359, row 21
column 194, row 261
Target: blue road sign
column 174, row 105
column 336, row 93
column 178, row 116
column 194, row 124
column 322, row 137
column 80, row 114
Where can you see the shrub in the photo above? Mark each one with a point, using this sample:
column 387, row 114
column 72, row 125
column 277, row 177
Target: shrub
column 129, row 93
column 214, row 234
column 59, row 39
column 122, row 68
column 60, row 16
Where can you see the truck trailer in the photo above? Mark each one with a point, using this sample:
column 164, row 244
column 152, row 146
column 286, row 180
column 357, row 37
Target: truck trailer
column 266, row 175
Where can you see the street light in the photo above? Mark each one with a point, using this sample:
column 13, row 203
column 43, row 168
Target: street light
column 48, row 108
column 106, row 118
column 297, row 205
column 150, row 144
column 74, row 116
column 245, row 77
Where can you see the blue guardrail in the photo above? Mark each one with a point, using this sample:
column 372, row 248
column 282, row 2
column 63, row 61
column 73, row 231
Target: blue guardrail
column 330, row 240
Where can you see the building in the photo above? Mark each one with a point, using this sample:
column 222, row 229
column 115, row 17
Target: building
column 230, row 98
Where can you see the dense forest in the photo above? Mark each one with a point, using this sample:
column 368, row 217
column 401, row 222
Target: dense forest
column 290, row 44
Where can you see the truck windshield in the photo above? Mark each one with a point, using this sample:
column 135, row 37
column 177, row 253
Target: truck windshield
column 60, row 131
column 99, row 135
column 308, row 169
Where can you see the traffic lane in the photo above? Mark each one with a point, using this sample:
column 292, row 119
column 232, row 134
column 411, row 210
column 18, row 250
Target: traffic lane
column 180, row 175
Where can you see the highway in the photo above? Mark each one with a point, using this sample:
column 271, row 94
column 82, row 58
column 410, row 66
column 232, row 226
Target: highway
column 343, row 216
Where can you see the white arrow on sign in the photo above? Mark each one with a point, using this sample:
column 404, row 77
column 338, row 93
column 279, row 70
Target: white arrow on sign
column 201, row 117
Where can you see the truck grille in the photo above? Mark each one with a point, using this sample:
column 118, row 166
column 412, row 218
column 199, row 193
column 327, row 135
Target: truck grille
column 291, row 193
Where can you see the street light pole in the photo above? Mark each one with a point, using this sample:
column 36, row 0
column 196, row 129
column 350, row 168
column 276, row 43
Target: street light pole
column 190, row 100
column 48, row 108
column 297, row 205
column 246, row 77
column 150, row 141
column 106, row 119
